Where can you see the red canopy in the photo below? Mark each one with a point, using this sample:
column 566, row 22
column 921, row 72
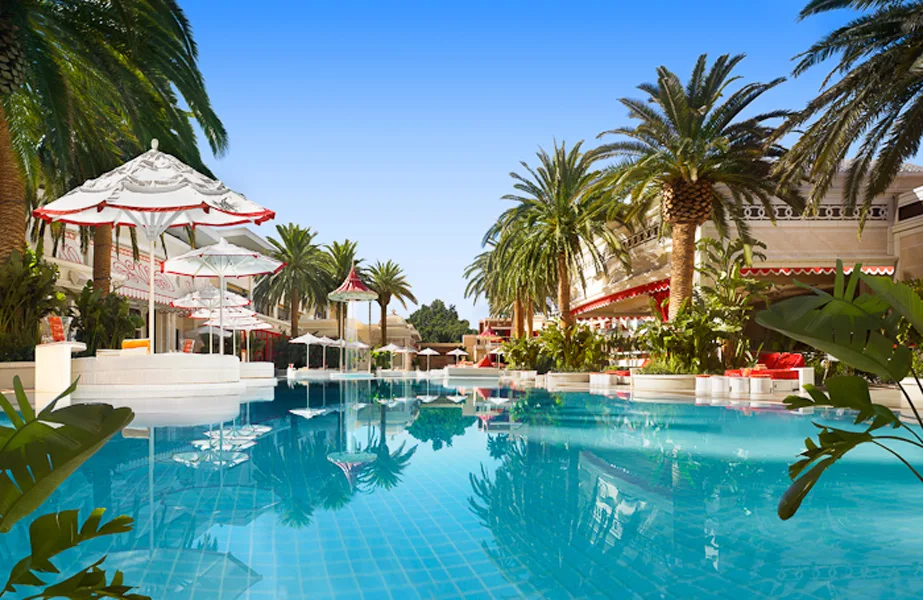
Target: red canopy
column 352, row 289
column 488, row 333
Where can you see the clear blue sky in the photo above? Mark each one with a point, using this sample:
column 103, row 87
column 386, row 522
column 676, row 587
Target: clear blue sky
column 396, row 124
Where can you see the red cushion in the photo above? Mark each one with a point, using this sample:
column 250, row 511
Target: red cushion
column 785, row 374
column 484, row 363
column 790, row 361
column 733, row 373
column 770, row 359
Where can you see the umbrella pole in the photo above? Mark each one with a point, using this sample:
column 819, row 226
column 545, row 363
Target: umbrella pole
column 221, row 310
column 211, row 341
column 324, row 354
column 150, row 296
column 307, row 357
column 370, row 336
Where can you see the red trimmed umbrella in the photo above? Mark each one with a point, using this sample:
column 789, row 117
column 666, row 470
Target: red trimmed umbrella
column 153, row 192
column 353, row 289
column 222, row 260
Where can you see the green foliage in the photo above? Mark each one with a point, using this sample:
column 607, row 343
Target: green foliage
column 696, row 133
column 861, row 330
column 37, row 453
column 387, row 279
column 526, row 354
column 381, row 360
column 55, row 533
column 870, row 105
column 689, row 343
column 439, row 425
column 576, row 348
column 102, row 322
column 41, row 450
column 27, row 294
column 669, row 364
column 437, row 322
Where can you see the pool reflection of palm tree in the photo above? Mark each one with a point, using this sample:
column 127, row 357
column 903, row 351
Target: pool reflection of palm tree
column 297, row 470
column 385, row 471
column 540, row 520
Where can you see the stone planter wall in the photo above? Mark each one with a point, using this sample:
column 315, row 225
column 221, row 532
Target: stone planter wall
column 654, row 384
column 25, row 370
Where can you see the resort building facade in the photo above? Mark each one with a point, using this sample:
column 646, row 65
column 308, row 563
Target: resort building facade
column 803, row 248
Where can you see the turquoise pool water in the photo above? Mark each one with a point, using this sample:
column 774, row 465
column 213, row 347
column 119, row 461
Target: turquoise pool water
column 376, row 489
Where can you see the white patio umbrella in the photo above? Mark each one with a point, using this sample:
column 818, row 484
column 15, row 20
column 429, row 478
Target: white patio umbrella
column 427, row 352
column 247, row 324
column 325, row 342
column 456, row 353
column 153, row 192
column 208, row 298
column 222, row 260
column 306, row 339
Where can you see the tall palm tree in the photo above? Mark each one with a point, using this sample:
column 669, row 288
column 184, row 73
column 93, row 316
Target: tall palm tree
column 694, row 155
column 342, row 259
column 557, row 222
column 875, row 104
column 304, row 281
column 388, row 281
column 90, row 84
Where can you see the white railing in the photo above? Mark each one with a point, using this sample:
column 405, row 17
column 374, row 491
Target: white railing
column 825, row 212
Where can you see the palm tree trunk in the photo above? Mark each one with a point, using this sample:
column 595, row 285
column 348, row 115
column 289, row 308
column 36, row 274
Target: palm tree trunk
column 102, row 259
column 682, row 265
column 384, row 323
column 12, row 196
column 567, row 319
column 517, row 318
column 293, row 307
column 530, row 309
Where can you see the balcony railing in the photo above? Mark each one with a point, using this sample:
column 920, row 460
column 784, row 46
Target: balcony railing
column 825, row 212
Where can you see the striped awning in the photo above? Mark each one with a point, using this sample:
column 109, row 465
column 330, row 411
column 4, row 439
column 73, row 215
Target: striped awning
column 653, row 287
column 129, row 292
column 789, row 271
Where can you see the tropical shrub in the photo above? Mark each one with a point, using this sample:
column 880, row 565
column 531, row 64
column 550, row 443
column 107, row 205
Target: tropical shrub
column 526, row 354
column 576, row 348
column 861, row 330
column 27, row 294
column 438, row 322
column 102, row 322
column 439, row 425
column 689, row 343
column 37, row 453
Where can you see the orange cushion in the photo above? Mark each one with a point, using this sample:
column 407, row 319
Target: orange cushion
column 142, row 343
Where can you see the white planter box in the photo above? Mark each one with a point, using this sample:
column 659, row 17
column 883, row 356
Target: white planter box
column 25, row 370
column 719, row 385
column 653, row 384
column 257, row 370
column 567, row 379
column 703, row 386
column 603, row 380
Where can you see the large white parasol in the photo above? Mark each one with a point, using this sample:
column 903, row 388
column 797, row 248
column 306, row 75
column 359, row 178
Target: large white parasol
column 153, row 192
column 306, row 339
column 427, row 352
column 456, row 353
column 222, row 260
column 209, row 298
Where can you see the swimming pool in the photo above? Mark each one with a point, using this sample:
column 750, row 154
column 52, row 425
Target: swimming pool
column 387, row 489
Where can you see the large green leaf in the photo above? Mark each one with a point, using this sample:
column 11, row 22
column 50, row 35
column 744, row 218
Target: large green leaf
column 849, row 392
column 40, row 451
column 854, row 329
column 52, row 534
column 906, row 302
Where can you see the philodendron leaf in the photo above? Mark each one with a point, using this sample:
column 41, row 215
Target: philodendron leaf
column 52, row 534
column 796, row 493
column 900, row 296
column 41, row 451
column 854, row 340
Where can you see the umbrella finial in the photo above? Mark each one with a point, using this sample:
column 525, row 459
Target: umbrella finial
column 155, row 143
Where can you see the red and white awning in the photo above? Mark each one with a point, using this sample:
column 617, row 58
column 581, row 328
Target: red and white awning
column 653, row 287
column 789, row 271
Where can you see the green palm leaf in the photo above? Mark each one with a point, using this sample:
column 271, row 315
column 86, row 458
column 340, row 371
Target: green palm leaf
column 40, row 451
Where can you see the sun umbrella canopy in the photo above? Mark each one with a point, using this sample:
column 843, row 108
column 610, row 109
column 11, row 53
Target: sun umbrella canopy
column 389, row 348
column 305, row 339
column 154, row 191
column 497, row 351
column 210, row 297
column 325, row 341
column 222, row 260
column 428, row 352
column 352, row 289
column 457, row 352
column 227, row 313
column 405, row 351
column 357, row 345
column 206, row 330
